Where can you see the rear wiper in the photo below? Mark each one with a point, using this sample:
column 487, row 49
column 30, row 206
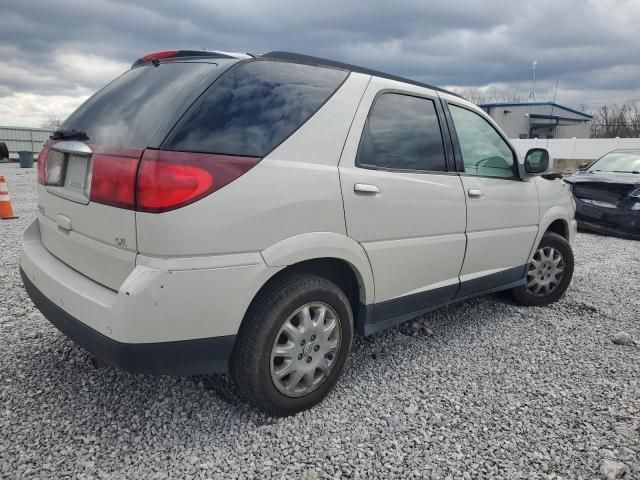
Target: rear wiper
column 60, row 134
column 624, row 171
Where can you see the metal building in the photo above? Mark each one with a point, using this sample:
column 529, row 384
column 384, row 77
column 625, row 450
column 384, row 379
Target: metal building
column 539, row 120
column 23, row 139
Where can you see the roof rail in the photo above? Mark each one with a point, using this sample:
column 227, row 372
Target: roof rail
column 307, row 59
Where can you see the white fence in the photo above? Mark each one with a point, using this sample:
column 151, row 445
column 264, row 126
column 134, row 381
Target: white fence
column 576, row 148
column 569, row 153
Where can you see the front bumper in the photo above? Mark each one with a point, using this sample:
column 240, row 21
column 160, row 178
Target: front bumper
column 609, row 221
column 199, row 356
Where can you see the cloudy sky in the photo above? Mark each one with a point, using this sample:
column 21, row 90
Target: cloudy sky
column 53, row 54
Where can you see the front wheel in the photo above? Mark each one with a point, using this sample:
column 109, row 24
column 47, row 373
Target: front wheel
column 549, row 272
column 293, row 344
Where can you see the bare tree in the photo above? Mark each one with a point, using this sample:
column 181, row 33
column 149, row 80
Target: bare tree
column 490, row 95
column 617, row 120
column 473, row 94
column 504, row 95
column 52, row 123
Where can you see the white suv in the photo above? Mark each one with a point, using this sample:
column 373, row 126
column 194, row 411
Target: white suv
column 209, row 212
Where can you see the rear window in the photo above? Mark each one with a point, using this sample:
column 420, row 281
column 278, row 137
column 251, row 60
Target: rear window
column 254, row 107
column 129, row 110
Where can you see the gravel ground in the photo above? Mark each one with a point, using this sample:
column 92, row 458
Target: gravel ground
column 485, row 389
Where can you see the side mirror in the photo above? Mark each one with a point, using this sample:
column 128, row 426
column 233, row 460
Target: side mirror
column 583, row 166
column 536, row 161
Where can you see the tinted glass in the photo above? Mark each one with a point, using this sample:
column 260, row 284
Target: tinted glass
column 618, row 162
column 402, row 133
column 254, row 107
column 484, row 151
column 129, row 110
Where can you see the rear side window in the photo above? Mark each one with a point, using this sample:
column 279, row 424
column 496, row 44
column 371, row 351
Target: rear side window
column 254, row 107
column 402, row 133
column 129, row 110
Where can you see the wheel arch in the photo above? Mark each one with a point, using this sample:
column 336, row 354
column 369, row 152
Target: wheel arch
column 559, row 226
column 556, row 220
column 333, row 256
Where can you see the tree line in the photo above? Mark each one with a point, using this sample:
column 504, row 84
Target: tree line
column 617, row 120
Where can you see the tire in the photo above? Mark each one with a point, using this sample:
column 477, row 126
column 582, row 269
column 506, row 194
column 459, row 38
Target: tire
column 553, row 251
column 278, row 314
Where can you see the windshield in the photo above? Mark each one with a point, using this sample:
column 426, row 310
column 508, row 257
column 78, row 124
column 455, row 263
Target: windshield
column 618, row 162
column 133, row 107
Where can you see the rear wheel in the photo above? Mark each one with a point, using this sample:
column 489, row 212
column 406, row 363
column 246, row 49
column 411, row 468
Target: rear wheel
column 293, row 344
column 549, row 273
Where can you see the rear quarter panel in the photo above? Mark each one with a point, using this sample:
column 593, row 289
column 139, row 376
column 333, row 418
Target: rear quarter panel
column 292, row 191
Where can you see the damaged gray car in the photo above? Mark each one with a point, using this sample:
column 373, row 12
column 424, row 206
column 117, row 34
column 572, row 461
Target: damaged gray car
column 607, row 194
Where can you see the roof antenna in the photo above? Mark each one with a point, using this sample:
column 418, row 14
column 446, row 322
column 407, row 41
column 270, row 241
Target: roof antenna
column 532, row 93
column 553, row 104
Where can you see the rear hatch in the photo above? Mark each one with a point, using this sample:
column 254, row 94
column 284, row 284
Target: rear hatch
column 86, row 192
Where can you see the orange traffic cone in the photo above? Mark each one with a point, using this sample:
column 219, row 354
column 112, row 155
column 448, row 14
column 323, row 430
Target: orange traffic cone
column 6, row 210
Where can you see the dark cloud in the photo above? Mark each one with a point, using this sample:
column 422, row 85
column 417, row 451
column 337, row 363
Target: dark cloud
column 70, row 47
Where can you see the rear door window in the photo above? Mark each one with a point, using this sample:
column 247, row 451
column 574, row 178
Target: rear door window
column 402, row 133
column 254, row 107
column 132, row 108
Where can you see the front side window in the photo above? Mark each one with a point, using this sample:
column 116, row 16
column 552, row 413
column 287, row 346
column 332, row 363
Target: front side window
column 402, row 133
column 254, row 107
column 484, row 151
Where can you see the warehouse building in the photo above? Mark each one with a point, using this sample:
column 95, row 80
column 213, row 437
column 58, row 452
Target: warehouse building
column 539, row 120
column 23, row 139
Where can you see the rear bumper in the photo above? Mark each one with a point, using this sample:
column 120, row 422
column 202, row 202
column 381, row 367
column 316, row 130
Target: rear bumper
column 199, row 356
column 170, row 315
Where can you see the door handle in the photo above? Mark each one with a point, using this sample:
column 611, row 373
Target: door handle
column 365, row 188
column 475, row 193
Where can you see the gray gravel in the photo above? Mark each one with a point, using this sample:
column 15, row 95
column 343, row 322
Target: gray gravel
column 485, row 389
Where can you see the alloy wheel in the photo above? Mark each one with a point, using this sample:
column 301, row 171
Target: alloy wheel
column 545, row 271
column 305, row 349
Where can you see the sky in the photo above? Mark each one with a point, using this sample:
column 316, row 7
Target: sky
column 55, row 54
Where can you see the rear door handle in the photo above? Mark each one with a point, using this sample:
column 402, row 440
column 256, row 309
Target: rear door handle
column 365, row 188
column 475, row 193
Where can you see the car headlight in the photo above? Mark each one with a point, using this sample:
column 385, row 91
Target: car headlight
column 635, row 193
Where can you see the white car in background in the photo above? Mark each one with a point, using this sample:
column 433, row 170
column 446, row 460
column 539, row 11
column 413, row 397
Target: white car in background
column 209, row 212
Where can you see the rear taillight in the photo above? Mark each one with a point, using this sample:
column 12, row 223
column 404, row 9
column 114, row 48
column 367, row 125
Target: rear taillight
column 42, row 163
column 113, row 177
column 161, row 181
column 170, row 180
